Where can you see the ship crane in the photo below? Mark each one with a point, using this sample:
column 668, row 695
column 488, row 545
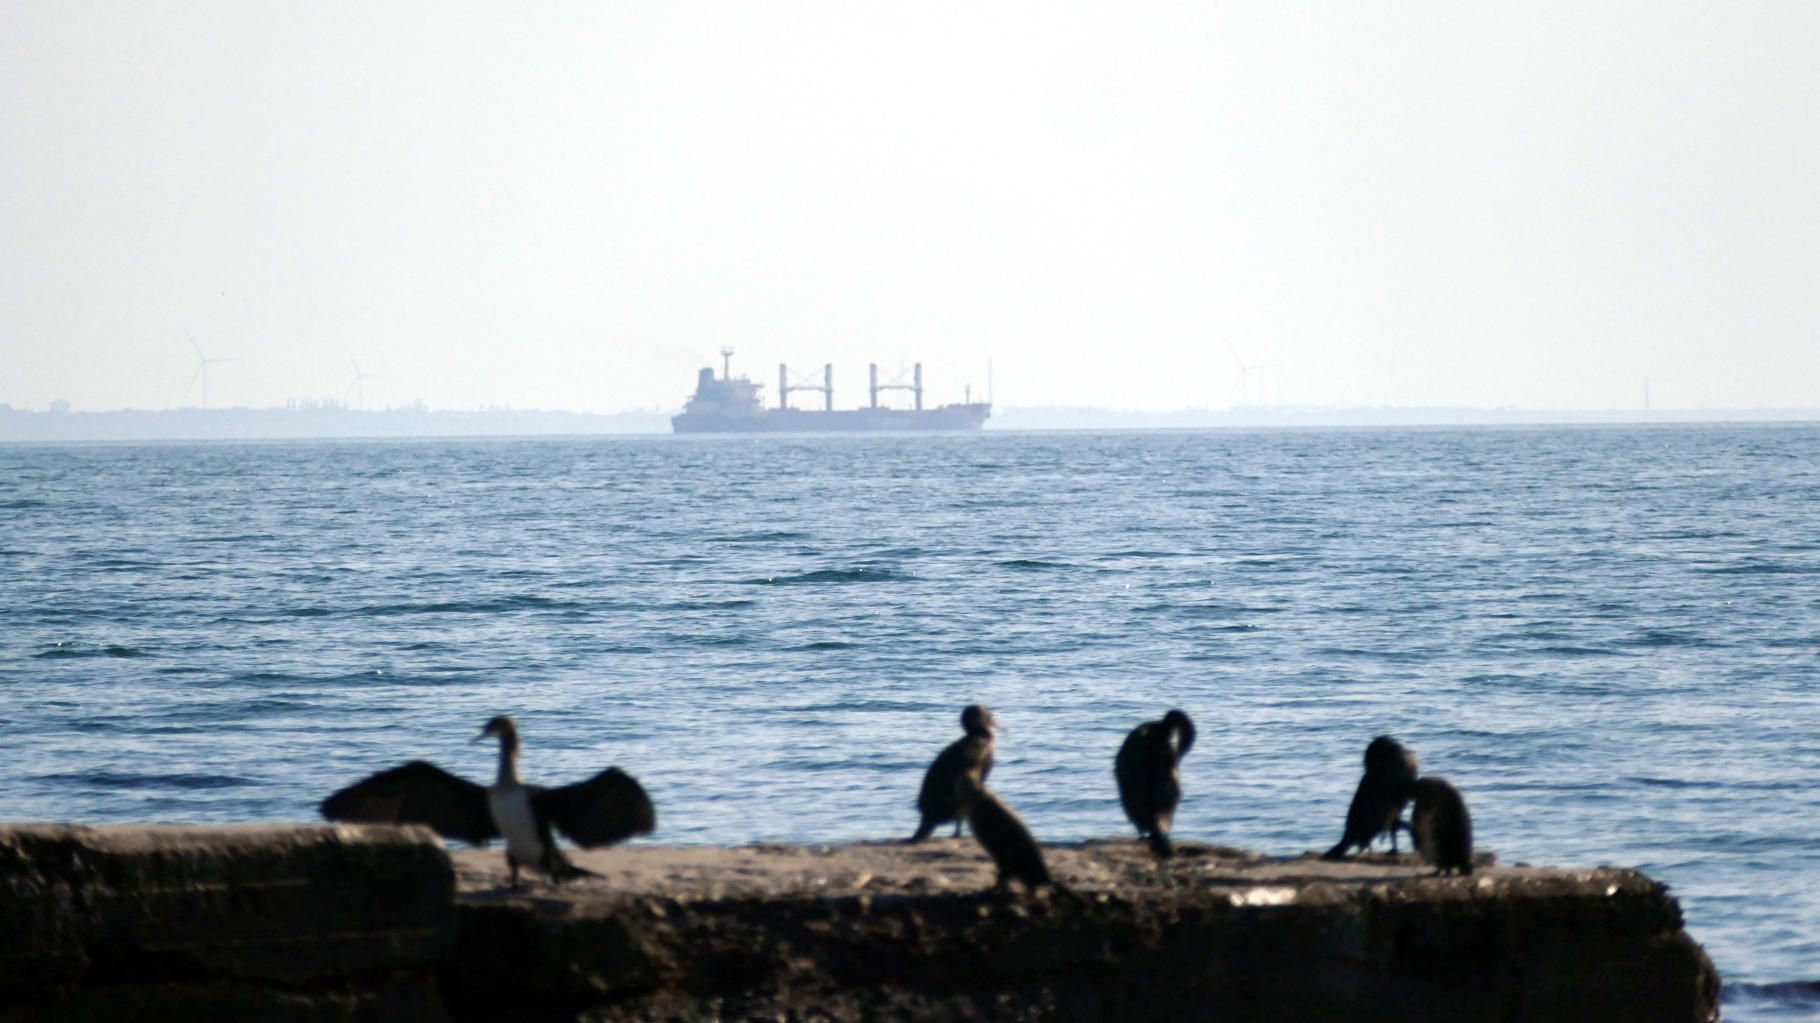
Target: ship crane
column 897, row 384
column 784, row 386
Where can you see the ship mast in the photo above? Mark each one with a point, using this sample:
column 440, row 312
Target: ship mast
column 726, row 362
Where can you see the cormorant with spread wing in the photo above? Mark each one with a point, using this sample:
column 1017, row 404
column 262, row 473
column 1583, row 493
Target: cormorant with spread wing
column 607, row 808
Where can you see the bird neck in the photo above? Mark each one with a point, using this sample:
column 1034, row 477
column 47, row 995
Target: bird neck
column 1184, row 738
column 508, row 760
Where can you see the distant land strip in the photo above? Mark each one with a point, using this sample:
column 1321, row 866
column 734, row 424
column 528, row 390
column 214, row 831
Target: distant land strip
column 310, row 422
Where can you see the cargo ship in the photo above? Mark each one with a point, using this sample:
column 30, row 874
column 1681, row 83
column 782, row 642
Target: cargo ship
column 729, row 404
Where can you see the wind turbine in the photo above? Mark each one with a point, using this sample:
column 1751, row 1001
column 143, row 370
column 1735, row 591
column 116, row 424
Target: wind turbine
column 359, row 379
column 1244, row 376
column 202, row 371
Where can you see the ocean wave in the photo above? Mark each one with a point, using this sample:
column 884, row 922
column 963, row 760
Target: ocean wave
column 133, row 780
column 1670, row 638
column 835, row 575
column 1575, row 650
column 517, row 603
column 1790, row 1000
column 770, row 536
column 67, row 650
column 1763, row 568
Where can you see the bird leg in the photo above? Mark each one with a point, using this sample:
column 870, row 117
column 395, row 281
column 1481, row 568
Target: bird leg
column 512, row 865
column 957, row 828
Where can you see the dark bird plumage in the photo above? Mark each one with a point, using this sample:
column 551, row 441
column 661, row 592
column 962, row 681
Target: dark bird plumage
column 1390, row 771
column 607, row 808
column 1150, row 786
column 1441, row 827
column 1000, row 831
column 969, row 755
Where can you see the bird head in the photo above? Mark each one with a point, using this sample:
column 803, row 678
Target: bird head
column 1387, row 755
column 1178, row 724
column 502, row 728
column 977, row 719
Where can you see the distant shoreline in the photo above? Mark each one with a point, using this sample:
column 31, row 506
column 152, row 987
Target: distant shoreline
column 339, row 423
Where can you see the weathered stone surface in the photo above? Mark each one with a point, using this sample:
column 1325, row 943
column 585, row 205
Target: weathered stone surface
column 366, row 924
column 405, row 997
column 149, row 916
column 885, row 931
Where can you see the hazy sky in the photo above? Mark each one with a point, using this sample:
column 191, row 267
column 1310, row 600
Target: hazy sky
column 575, row 206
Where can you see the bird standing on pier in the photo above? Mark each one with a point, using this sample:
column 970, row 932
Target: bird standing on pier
column 1390, row 772
column 1001, row 832
column 1441, row 827
column 971, row 754
column 607, row 808
column 1150, row 785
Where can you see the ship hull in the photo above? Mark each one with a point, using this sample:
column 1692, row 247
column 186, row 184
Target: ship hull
column 864, row 420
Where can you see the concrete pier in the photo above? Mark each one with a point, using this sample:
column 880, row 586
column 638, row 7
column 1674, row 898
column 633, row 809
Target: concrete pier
column 345, row 923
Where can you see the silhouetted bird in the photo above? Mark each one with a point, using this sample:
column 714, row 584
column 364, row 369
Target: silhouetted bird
column 1390, row 771
column 1000, row 831
column 1441, row 827
column 971, row 754
column 1149, row 784
column 607, row 808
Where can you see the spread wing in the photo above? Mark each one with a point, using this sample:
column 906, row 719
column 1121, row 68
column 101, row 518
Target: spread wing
column 609, row 807
column 417, row 793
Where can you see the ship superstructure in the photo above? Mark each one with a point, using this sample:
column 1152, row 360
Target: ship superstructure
column 730, row 404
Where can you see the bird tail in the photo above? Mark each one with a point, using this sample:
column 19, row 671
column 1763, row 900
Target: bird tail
column 923, row 830
column 1338, row 852
column 1159, row 844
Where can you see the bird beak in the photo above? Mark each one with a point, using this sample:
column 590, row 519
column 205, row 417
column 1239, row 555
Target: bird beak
column 478, row 738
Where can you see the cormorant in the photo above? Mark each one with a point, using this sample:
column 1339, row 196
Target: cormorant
column 607, row 808
column 1003, row 835
column 971, row 754
column 1149, row 784
column 1441, row 827
column 1390, row 771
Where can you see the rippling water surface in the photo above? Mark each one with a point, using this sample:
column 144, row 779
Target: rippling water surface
column 1608, row 637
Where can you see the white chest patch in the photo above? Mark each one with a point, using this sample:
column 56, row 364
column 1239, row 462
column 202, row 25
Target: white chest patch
column 512, row 814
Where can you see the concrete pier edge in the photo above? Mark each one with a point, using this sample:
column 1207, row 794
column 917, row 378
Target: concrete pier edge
column 321, row 922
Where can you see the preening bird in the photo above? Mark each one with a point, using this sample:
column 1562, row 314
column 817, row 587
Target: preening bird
column 971, row 754
column 1150, row 785
column 1441, row 827
column 1390, row 772
column 607, row 808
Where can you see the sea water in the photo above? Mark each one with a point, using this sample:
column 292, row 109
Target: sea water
column 1608, row 638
